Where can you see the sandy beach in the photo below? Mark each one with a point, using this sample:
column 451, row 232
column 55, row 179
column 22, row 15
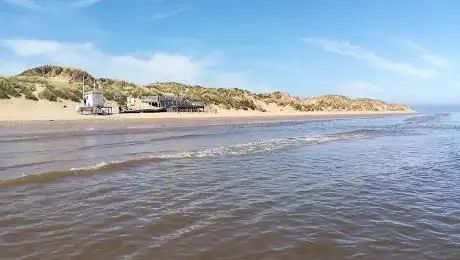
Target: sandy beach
column 44, row 116
column 21, row 112
column 229, row 130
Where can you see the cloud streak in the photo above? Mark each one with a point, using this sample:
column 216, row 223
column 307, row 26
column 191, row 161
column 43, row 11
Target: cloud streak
column 347, row 49
column 29, row 4
column 86, row 3
column 34, row 4
column 427, row 55
column 157, row 66
column 163, row 15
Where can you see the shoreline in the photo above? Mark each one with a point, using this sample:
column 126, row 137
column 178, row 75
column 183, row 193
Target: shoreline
column 166, row 120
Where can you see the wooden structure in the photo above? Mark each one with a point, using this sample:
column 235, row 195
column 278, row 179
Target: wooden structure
column 134, row 105
column 84, row 110
column 93, row 103
column 173, row 103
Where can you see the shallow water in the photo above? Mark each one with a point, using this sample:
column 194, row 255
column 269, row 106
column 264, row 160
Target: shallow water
column 380, row 188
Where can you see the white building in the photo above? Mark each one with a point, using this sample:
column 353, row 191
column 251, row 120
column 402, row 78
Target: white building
column 93, row 99
column 130, row 101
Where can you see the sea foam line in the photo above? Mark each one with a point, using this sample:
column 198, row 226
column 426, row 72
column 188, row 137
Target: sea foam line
column 233, row 150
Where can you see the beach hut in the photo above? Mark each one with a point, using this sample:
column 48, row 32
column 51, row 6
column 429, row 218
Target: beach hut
column 130, row 101
column 93, row 102
column 94, row 99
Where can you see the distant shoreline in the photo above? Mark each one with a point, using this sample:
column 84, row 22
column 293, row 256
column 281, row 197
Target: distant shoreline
column 162, row 120
column 51, row 92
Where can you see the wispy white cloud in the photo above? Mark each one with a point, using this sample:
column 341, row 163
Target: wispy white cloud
column 37, row 5
column 432, row 58
column 29, row 4
column 158, row 66
column 163, row 15
column 85, row 3
column 347, row 49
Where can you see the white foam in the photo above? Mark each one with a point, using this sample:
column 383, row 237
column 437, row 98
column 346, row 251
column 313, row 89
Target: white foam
column 262, row 146
column 93, row 167
column 246, row 148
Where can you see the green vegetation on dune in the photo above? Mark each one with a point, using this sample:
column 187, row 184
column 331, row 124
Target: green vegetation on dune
column 49, row 71
column 12, row 88
column 55, row 83
column 53, row 93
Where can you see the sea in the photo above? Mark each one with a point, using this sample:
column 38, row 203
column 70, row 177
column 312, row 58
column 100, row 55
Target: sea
column 345, row 188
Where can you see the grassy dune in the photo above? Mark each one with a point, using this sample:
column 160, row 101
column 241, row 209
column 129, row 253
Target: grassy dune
column 56, row 83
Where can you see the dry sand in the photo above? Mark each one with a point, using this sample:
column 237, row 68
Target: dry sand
column 21, row 111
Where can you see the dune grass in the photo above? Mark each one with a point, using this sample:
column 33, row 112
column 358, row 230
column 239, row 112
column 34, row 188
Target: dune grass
column 11, row 88
column 56, row 83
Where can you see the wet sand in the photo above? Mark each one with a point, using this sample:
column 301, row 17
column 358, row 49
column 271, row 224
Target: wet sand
column 161, row 120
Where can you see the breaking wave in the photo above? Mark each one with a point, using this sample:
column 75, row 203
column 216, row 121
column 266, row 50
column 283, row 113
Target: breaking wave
column 232, row 150
column 425, row 118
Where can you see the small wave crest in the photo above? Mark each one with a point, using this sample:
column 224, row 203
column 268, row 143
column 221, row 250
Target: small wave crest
column 232, row 150
column 81, row 171
column 425, row 118
column 273, row 145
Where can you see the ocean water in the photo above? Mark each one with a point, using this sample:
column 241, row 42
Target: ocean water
column 369, row 188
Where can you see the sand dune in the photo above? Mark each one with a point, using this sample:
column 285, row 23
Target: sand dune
column 52, row 93
column 20, row 109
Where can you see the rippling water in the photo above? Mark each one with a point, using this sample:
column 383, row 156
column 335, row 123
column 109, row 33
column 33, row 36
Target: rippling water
column 381, row 188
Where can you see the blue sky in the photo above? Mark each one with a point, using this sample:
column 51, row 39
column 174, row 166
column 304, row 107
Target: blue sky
column 400, row 51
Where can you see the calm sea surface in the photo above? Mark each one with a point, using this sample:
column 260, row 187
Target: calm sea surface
column 379, row 188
